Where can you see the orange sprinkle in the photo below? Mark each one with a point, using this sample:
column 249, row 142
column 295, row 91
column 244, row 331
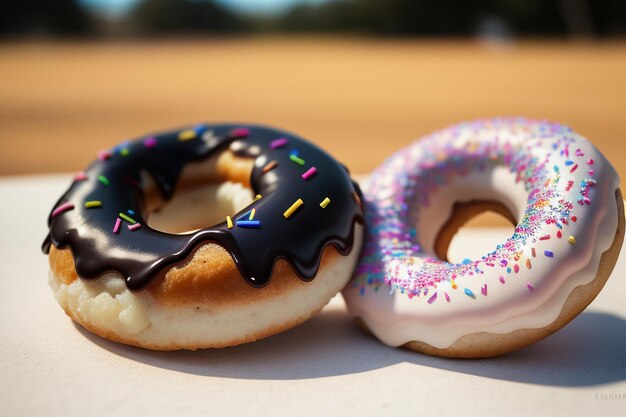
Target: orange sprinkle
column 270, row 166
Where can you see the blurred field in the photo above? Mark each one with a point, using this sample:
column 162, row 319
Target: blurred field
column 360, row 99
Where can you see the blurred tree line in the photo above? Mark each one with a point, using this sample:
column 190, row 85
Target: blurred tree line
column 375, row 17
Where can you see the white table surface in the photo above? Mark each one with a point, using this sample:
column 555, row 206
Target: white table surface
column 327, row 366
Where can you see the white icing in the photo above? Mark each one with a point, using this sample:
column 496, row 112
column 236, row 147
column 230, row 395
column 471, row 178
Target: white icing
column 395, row 318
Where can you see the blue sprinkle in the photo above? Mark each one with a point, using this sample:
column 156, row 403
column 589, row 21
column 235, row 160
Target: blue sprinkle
column 469, row 293
column 295, row 152
column 131, row 211
column 250, row 224
column 199, row 129
column 466, row 261
column 548, row 253
column 568, row 163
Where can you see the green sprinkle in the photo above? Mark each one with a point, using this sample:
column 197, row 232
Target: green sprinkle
column 127, row 218
column 104, row 180
column 93, row 203
column 124, row 151
column 296, row 159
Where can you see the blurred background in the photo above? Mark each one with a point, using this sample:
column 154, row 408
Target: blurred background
column 359, row 77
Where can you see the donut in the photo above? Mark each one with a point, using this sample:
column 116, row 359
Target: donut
column 204, row 237
column 561, row 194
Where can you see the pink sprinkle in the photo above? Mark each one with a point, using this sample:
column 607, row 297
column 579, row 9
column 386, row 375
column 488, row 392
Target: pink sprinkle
column 239, row 133
column 309, row 173
column 447, row 297
column 534, row 252
column 134, row 226
column 516, row 268
column 104, row 155
column 501, row 279
column 432, row 299
column 118, row 223
column 278, row 143
column 591, row 172
column 530, row 286
column 483, row 289
column 545, row 237
column 574, row 168
column 590, row 161
column 579, row 152
column 62, row 208
column 150, row 142
column 559, row 234
column 80, row 176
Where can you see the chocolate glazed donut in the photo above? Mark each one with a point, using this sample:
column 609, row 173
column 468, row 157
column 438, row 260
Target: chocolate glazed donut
column 306, row 201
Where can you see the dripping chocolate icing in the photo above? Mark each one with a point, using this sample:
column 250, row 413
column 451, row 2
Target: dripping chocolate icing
column 139, row 255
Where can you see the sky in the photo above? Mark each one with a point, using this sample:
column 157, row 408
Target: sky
column 119, row 7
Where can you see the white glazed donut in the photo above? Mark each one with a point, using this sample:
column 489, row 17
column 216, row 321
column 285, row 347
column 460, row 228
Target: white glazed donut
column 562, row 192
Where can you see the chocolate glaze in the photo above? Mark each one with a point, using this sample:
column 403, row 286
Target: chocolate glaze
column 141, row 254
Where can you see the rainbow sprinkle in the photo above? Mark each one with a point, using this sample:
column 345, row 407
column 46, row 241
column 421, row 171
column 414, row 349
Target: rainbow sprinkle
column 104, row 180
column 249, row 224
column 309, row 173
column 104, row 155
column 150, row 142
column 127, row 218
column 62, row 209
column 293, row 208
column 294, row 157
column 278, row 143
column 186, row 135
column 116, row 227
column 239, row 133
column 270, row 166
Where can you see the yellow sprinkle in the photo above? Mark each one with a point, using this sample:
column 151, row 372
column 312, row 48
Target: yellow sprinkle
column 293, row 208
column 571, row 240
column 325, row 202
column 252, row 213
column 454, row 285
column 258, row 197
column 187, row 135
column 93, row 203
column 229, row 222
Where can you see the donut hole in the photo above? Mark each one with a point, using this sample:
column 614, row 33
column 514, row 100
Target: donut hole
column 200, row 207
column 207, row 192
column 455, row 240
